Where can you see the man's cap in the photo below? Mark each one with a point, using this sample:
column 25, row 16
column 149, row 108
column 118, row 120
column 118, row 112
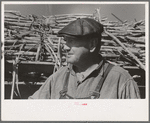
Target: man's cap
column 82, row 27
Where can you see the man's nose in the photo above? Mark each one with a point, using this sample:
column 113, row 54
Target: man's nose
column 66, row 48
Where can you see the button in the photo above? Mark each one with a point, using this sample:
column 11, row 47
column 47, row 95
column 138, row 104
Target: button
column 79, row 82
column 82, row 76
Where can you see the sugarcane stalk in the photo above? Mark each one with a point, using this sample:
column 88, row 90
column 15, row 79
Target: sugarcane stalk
column 110, row 56
column 135, row 39
column 10, row 42
column 140, row 46
column 50, row 52
column 17, row 24
column 137, row 31
column 48, row 60
column 142, row 55
column 116, row 31
column 18, row 45
column 66, row 21
column 13, row 82
column 110, row 47
column 17, row 28
column 48, row 57
column 26, row 53
column 17, row 86
column 138, row 23
column 33, row 37
column 14, row 56
column 143, row 59
column 14, row 27
column 99, row 14
column 114, row 28
column 126, row 49
column 50, row 43
column 129, row 60
column 26, row 48
column 59, row 53
column 22, row 35
column 141, row 51
column 62, row 24
column 16, row 18
column 20, row 21
column 15, row 13
column 117, row 18
column 53, row 53
column 39, row 48
column 138, row 34
column 106, row 50
column 108, row 24
column 11, row 11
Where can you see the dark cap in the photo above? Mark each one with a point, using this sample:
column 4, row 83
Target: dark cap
column 82, row 27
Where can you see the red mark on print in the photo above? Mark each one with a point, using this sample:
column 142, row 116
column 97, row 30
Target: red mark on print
column 77, row 103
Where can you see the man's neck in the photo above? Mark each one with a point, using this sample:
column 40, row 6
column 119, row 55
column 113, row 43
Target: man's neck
column 83, row 66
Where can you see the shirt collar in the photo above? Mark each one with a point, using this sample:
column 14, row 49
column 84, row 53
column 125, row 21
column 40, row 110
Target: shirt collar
column 90, row 70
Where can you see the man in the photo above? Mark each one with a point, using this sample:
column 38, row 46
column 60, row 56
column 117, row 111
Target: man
column 88, row 75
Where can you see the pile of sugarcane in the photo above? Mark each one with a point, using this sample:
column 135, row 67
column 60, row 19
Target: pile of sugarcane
column 34, row 38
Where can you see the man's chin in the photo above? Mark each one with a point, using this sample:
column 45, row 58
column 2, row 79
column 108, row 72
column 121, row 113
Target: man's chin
column 70, row 61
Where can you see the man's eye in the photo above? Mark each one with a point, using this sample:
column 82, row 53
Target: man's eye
column 64, row 39
column 70, row 40
column 64, row 43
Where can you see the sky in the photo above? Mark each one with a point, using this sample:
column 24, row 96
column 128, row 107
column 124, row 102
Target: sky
column 123, row 11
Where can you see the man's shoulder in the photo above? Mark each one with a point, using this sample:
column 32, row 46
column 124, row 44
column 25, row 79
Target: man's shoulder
column 121, row 71
column 62, row 70
column 121, row 77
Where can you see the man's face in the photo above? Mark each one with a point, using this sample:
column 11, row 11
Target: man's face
column 78, row 50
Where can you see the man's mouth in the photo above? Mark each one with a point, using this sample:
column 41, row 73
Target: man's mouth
column 69, row 54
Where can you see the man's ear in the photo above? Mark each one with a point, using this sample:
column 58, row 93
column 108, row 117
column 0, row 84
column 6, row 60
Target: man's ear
column 93, row 44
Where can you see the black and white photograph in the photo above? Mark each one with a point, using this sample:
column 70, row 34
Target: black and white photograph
column 86, row 60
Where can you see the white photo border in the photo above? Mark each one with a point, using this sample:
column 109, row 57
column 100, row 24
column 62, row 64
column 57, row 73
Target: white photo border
column 73, row 110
